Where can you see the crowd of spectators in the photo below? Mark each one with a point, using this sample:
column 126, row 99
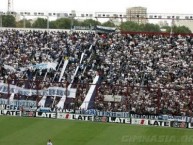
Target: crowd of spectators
column 151, row 73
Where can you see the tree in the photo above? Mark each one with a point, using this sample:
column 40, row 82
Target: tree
column 108, row 24
column 181, row 29
column 76, row 22
column 177, row 29
column 135, row 27
column 130, row 26
column 150, row 27
column 167, row 28
column 90, row 22
column 63, row 23
column 40, row 23
column 52, row 25
column 8, row 21
column 20, row 24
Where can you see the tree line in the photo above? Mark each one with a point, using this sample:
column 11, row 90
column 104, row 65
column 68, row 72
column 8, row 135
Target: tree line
column 68, row 23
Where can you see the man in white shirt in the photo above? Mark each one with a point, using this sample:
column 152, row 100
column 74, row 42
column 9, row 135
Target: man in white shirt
column 49, row 142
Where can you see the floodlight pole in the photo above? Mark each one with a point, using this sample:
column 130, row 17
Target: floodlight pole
column 71, row 23
column 1, row 20
column 48, row 22
column 172, row 25
column 138, row 18
column 24, row 24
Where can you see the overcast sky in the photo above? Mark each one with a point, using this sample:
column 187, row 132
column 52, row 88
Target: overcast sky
column 153, row 6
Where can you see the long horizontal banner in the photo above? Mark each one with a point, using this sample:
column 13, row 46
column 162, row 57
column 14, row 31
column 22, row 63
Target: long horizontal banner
column 162, row 123
column 49, row 65
column 45, row 65
column 45, row 114
column 161, row 117
column 150, row 122
column 69, row 116
column 105, row 29
column 51, row 91
column 24, row 103
column 103, row 113
column 10, row 112
column 9, row 68
column 112, row 119
column 28, row 113
column 83, row 27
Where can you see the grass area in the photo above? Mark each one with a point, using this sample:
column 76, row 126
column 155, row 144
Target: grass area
column 36, row 131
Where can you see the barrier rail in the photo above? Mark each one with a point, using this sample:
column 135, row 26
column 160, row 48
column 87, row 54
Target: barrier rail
column 95, row 118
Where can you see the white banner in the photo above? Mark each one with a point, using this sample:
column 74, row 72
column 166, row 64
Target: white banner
column 87, row 99
column 119, row 120
column 24, row 103
column 61, row 102
column 63, row 69
column 112, row 98
column 139, row 121
column 150, row 122
column 48, row 65
column 3, row 101
column 159, row 123
column 9, row 68
column 51, row 91
column 10, row 112
column 75, row 116
column 46, row 114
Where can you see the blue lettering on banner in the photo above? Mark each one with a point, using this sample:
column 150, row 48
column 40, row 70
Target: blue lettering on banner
column 91, row 112
column 11, row 90
column 103, row 113
column 3, row 101
column 51, row 91
column 1, row 88
column 24, row 103
column 5, row 89
column 160, row 117
column 34, row 92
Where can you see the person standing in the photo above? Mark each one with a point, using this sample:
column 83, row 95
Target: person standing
column 49, row 142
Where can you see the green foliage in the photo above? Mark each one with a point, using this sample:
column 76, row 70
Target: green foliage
column 63, row 23
column 52, row 25
column 20, row 24
column 130, row 26
column 89, row 22
column 40, row 23
column 108, row 24
column 167, row 28
column 150, row 27
column 68, row 23
column 181, row 29
column 135, row 27
column 8, row 21
column 177, row 29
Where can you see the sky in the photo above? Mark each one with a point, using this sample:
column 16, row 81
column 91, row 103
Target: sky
column 153, row 6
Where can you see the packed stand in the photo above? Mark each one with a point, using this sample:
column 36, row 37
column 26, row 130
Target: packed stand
column 152, row 74
column 21, row 49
